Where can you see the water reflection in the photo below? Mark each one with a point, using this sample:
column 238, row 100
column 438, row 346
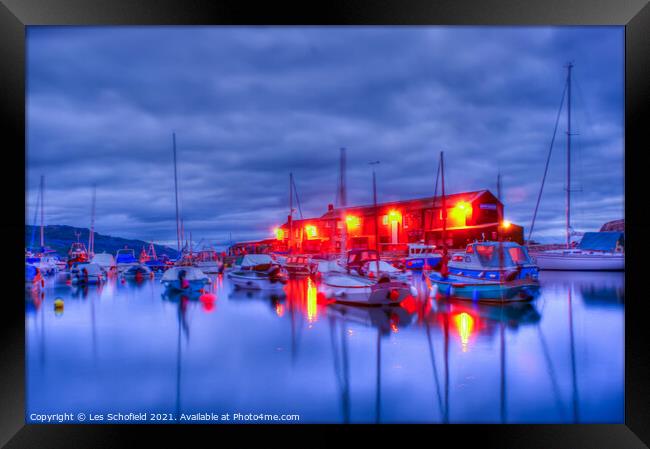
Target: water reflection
column 556, row 359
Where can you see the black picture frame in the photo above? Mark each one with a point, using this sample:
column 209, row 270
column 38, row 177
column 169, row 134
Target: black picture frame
column 15, row 15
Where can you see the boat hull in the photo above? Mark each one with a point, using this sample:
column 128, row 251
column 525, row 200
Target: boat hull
column 252, row 283
column 419, row 263
column 458, row 287
column 194, row 285
column 580, row 262
column 349, row 290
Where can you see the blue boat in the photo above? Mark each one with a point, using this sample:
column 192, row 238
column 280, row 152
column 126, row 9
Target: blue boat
column 489, row 272
column 421, row 256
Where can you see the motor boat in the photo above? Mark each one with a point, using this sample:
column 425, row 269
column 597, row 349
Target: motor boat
column 258, row 272
column 125, row 258
column 208, row 261
column 354, row 286
column 85, row 273
column 299, row 266
column 369, row 269
column 184, row 278
column 106, row 261
column 597, row 251
column 421, row 256
column 138, row 272
column 488, row 272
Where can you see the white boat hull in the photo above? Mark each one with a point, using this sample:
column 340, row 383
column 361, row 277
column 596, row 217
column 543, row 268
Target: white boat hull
column 573, row 261
column 250, row 283
column 353, row 290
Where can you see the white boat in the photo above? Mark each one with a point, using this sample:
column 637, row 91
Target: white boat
column 369, row 269
column 258, row 272
column 184, row 278
column 354, row 289
column 208, row 261
column 106, row 261
column 140, row 271
column 598, row 251
column 83, row 273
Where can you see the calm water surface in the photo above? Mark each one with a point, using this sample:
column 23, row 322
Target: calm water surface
column 128, row 347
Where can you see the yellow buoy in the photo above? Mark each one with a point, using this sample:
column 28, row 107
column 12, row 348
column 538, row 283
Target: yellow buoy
column 58, row 303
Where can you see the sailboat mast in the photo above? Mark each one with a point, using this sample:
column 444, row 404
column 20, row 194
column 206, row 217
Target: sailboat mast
column 343, row 199
column 178, row 228
column 374, row 200
column 91, row 236
column 42, row 212
column 290, row 211
column 568, row 158
column 443, row 269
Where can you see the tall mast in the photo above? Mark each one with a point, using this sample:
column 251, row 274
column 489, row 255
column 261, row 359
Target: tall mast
column 568, row 158
column 443, row 269
column 91, row 235
column 42, row 189
column 178, row 227
column 290, row 218
column 374, row 199
column 343, row 205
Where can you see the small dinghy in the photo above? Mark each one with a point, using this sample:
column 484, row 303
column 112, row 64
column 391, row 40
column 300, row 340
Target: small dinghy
column 258, row 272
column 137, row 272
column 184, row 278
column 86, row 273
column 488, row 272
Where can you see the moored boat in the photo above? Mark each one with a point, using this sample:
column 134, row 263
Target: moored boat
column 106, row 261
column 84, row 273
column 421, row 256
column 125, row 258
column 597, row 251
column 138, row 272
column 489, row 272
column 298, row 266
column 184, row 278
column 258, row 272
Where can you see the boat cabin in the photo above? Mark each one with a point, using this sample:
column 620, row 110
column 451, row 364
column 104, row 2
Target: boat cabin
column 358, row 257
column 489, row 260
column 125, row 255
column 421, row 250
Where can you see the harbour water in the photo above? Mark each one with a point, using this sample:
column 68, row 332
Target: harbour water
column 128, row 348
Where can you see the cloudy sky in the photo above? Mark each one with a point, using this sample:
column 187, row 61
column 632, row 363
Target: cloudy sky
column 249, row 105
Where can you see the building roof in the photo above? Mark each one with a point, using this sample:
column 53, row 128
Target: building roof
column 426, row 202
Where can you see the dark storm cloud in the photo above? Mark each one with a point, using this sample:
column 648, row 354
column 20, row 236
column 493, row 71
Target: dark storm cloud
column 251, row 104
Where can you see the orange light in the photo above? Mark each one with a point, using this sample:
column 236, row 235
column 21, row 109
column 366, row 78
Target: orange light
column 279, row 233
column 465, row 324
column 352, row 221
column 311, row 231
column 394, row 215
column 506, row 224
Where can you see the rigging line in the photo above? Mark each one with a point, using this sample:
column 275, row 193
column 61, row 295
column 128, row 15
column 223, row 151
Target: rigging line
column 38, row 203
column 295, row 190
column 548, row 160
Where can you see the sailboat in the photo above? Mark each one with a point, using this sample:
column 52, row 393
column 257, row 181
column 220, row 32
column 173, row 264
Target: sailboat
column 351, row 286
column 597, row 251
column 43, row 259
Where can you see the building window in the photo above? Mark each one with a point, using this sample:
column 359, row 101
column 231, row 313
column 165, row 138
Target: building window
column 384, row 219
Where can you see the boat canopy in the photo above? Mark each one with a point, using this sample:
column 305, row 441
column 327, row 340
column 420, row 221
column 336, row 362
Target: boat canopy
column 92, row 268
column 252, row 260
column 602, row 241
column 191, row 274
column 489, row 255
column 125, row 256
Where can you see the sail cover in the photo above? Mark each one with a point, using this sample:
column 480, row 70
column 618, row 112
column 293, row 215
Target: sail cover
column 601, row 241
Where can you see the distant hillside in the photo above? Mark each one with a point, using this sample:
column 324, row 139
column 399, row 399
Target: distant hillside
column 60, row 237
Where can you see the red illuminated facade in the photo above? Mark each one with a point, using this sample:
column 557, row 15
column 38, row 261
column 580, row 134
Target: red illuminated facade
column 470, row 216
